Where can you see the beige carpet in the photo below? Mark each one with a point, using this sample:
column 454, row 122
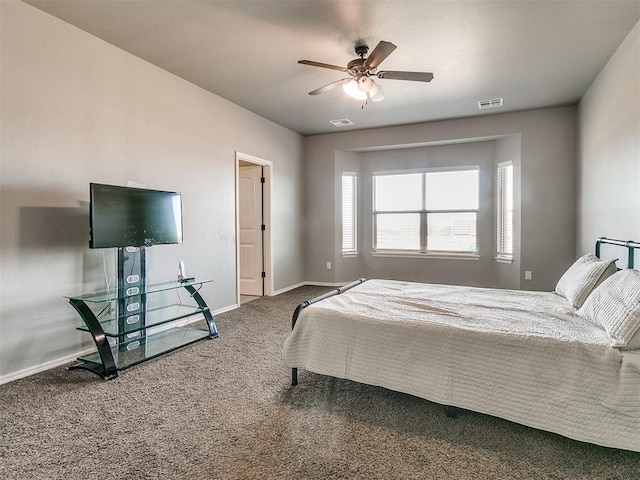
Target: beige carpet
column 224, row 409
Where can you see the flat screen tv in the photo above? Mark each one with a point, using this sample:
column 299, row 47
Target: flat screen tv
column 133, row 217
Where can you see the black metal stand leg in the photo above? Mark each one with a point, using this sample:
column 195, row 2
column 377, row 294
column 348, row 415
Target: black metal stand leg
column 95, row 368
column 294, row 376
column 211, row 324
column 108, row 368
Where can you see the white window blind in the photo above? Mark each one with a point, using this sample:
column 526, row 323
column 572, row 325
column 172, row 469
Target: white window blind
column 429, row 211
column 505, row 211
column 349, row 213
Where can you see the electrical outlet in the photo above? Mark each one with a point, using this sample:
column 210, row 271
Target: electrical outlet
column 328, row 265
column 527, row 274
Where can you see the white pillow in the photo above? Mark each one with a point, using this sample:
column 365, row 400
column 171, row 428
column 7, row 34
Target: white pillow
column 582, row 277
column 615, row 305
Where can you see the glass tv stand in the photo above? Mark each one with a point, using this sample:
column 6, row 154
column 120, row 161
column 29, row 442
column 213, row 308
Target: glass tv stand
column 124, row 339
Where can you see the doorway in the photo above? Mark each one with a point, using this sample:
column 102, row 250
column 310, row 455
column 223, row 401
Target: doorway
column 253, row 193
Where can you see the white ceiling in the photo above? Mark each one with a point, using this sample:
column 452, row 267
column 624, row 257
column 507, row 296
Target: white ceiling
column 533, row 53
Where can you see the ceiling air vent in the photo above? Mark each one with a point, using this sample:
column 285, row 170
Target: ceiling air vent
column 493, row 103
column 342, row 122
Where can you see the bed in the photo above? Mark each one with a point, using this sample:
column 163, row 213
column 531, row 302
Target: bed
column 566, row 361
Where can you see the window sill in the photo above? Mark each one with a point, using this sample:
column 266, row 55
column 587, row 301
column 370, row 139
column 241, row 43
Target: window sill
column 438, row 256
column 350, row 255
column 504, row 259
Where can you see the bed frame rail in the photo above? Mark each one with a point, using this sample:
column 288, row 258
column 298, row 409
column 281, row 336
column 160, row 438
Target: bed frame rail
column 628, row 244
column 306, row 303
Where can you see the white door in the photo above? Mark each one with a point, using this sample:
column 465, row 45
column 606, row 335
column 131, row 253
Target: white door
column 250, row 203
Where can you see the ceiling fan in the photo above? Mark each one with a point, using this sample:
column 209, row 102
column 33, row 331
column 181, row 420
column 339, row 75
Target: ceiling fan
column 359, row 84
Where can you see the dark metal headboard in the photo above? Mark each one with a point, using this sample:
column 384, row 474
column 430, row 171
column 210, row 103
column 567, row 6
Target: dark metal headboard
column 628, row 244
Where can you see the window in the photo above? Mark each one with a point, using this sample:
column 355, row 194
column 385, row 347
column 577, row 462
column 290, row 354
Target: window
column 349, row 213
column 426, row 212
column 505, row 212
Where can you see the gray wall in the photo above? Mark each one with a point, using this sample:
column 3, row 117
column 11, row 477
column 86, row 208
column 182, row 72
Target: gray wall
column 77, row 110
column 547, row 182
column 609, row 151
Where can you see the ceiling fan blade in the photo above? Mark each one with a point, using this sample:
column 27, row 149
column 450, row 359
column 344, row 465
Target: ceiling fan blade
column 320, row 90
column 413, row 76
column 323, row 65
column 382, row 51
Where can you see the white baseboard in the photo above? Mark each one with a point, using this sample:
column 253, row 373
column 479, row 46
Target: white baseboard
column 326, row 284
column 43, row 366
column 73, row 356
column 310, row 283
column 291, row 287
column 225, row 309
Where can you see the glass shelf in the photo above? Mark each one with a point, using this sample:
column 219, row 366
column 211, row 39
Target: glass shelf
column 102, row 296
column 151, row 346
column 153, row 317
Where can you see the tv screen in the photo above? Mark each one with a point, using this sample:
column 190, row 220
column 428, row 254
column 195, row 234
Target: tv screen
column 126, row 216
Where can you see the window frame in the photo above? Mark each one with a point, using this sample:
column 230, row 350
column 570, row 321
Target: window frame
column 504, row 215
column 351, row 249
column 424, row 251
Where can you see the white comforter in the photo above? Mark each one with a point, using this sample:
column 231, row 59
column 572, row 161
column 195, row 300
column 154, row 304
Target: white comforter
column 523, row 356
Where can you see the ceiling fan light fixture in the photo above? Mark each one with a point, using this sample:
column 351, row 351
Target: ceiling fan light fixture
column 365, row 84
column 375, row 92
column 351, row 88
column 377, row 97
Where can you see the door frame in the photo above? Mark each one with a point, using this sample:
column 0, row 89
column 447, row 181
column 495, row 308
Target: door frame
column 266, row 208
